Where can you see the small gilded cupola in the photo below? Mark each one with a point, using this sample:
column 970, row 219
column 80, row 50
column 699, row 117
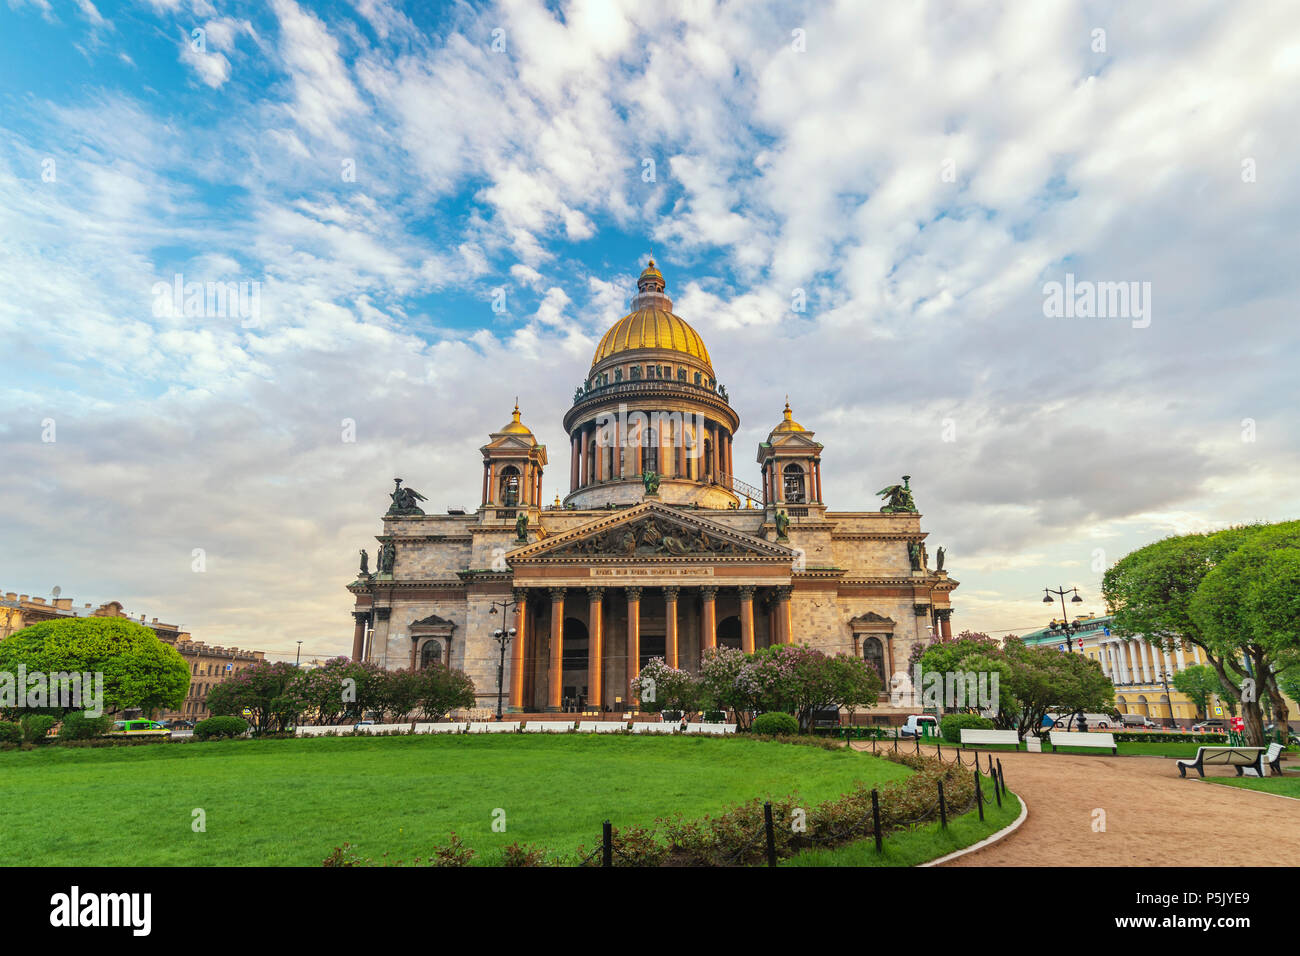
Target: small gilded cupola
column 791, row 464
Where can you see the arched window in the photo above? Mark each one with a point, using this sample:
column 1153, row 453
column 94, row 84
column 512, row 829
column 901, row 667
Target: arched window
column 510, row 486
column 874, row 654
column 729, row 632
column 794, row 484
column 430, row 653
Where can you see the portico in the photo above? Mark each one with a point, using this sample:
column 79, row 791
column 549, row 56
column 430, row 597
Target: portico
column 600, row 601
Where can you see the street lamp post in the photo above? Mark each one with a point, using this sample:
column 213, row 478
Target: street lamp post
column 1067, row 627
column 503, row 636
column 297, row 658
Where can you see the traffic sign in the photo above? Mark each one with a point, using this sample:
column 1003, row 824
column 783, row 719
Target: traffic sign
column 1218, row 711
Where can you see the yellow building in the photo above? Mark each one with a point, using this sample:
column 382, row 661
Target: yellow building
column 1142, row 674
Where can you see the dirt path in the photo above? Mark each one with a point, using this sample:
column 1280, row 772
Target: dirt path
column 1152, row 816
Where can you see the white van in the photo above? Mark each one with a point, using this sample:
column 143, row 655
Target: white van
column 912, row 727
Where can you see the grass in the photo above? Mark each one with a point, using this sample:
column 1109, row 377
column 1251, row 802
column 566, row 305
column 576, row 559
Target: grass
column 1288, row 786
column 919, row 844
column 289, row 802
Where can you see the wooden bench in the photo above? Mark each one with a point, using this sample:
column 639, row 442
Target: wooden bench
column 1220, row 756
column 972, row 736
column 1074, row 738
column 1272, row 758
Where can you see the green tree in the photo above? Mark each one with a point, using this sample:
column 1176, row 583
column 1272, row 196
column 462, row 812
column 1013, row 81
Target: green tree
column 1200, row 684
column 855, row 683
column 1155, row 594
column 443, row 689
column 271, row 691
column 139, row 670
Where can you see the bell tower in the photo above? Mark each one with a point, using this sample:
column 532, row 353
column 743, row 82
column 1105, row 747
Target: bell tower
column 791, row 465
column 512, row 467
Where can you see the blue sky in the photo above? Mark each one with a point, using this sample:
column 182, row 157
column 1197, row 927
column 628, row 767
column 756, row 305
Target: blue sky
column 919, row 175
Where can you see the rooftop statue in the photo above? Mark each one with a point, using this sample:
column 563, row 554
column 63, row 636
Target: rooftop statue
column 521, row 526
column 938, row 559
column 404, row 500
column 900, row 498
column 782, row 524
column 651, row 481
column 365, row 563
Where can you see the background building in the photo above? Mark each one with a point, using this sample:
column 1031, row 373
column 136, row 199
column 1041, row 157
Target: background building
column 1143, row 675
column 209, row 665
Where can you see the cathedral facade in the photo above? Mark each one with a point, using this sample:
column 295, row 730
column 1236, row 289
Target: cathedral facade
column 658, row 550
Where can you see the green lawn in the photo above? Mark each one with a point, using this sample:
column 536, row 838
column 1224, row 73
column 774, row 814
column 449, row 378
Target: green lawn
column 1288, row 786
column 922, row 843
column 289, row 802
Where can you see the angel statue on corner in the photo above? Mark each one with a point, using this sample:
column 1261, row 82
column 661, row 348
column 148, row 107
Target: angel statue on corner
column 404, row 500
column 900, row 498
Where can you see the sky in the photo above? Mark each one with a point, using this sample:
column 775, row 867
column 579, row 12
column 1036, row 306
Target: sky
column 442, row 207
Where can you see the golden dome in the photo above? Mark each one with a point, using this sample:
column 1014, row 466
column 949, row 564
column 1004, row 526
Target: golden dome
column 515, row 426
column 789, row 425
column 652, row 329
column 652, row 324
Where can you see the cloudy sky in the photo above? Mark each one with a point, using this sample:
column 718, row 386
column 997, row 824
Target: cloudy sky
column 918, row 172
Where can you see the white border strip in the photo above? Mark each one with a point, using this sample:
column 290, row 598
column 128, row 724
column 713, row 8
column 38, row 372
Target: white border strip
column 987, row 841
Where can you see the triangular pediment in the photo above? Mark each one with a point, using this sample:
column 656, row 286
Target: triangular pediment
column 871, row 619
column 511, row 442
column 433, row 621
column 649, row 531
column 794, row 440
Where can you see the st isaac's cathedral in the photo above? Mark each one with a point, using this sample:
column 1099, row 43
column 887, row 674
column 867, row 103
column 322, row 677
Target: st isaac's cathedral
column 658, row 550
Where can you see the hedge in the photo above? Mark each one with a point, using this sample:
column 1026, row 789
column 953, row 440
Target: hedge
column 36, row 726
column 77, row 726
column 220, row 727
column 951, row 725
column 1137, row 737
column 10, row 732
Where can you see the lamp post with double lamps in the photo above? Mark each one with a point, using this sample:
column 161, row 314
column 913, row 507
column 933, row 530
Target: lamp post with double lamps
column 1066, row 629
column 503, row 636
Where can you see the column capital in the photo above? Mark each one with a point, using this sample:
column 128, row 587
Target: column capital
column 557, row 594
column 709, row 592
column 783, row 592
column 746, row 592
column 671, row 591
column 361, row 617
column 519, row 594
column 596, row 594
column 633, row 593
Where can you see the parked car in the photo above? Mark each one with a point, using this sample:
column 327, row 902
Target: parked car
column 1214, row 726
column 139, row 728
column 912, row 726
column 1070, row 721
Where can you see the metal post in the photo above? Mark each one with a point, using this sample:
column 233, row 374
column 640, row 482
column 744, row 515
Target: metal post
column 979, row 794
column 991, row 763
column 1002, row 777
column 943, row 808
column 771, row 833
column 997, row 791
column 875, row 818
column 607, row 848
column 940, row 746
